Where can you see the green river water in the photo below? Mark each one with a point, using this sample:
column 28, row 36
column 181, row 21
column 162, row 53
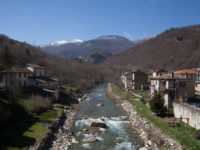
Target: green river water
column 118, row 135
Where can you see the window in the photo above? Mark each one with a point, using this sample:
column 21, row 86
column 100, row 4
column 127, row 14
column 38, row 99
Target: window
column 25, row 75
column 182, row 84
column 19, row 75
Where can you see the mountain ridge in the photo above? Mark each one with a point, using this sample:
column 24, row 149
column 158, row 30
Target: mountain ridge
column 176, row 48
column 94, row 50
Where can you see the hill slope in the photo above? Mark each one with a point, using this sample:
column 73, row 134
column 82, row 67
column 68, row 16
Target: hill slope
column 17, row 54
column 95, row 50
column 176, row 48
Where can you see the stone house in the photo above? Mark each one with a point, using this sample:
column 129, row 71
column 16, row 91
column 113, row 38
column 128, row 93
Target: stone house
column 135, row 80
column 16, row 77
column 197, row 82
column 31, row 76
column 173, row 86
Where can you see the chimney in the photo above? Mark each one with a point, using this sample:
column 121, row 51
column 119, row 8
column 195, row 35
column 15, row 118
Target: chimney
column 172, row 74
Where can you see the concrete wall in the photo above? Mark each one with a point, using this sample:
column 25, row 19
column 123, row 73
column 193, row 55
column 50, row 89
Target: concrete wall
column 197, row 87
column 188, row 111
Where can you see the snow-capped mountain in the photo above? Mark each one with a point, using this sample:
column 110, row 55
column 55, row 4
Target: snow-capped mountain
column 95, row 50
column 58, row 43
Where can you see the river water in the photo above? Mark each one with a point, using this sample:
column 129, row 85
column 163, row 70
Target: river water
column 118, row 135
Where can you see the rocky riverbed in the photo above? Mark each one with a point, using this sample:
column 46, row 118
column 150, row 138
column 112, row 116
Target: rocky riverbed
column 153, row 138
column 64, row 137
column 101, row 125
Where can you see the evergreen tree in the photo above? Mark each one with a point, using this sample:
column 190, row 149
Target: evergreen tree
column 157, row 104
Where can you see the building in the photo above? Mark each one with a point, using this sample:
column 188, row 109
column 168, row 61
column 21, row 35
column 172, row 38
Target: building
column 31, row 76
column 197, row 82
column 173, row 86
column 135, row 80
column 16, row 77
column 43, row 82
column 36, row 69
column 187, row 73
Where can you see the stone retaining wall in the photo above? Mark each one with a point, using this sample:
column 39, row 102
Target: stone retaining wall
column 188, row 111
column 153, row 138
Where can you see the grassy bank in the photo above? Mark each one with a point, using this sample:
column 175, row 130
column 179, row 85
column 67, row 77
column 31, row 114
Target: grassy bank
column 27, row 127
column 184, row 134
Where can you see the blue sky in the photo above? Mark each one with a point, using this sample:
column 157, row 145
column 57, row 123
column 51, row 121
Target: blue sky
column 44, row 21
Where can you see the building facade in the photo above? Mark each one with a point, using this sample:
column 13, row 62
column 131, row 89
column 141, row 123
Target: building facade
column 16, row 77
column 31, row 76
column 135, row 80
column 173, row 87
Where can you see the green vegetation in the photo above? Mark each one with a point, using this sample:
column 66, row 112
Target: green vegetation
column 28, row 126
column 114, row 88
column 71, row 87
column 184, row 134
column 157, row 104
column 38, row 130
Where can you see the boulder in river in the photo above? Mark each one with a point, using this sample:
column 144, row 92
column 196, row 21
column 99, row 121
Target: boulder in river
column 91, row 139
column 102, row 130
column 74, row 141
column 98, row 124
column 99, row 105
column 143, row 148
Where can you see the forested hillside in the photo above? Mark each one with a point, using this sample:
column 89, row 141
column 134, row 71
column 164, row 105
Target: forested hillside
column 176, row 48
column 17, row 54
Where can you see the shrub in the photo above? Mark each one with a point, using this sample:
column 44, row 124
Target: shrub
column 197, row 134
column 39, row 104
column 143, row 100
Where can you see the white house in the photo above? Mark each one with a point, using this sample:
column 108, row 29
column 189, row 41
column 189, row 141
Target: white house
column 16, row 77
column 36, row 69
column 31, row 76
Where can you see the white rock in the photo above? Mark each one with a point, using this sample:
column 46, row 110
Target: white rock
column 143, row 148
column 91, row 139
column 74, row 141
column 99, row 105
column 149, row 142
column 102, row 129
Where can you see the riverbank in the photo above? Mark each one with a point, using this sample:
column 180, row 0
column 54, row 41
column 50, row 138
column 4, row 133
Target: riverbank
column 63, row 138
column 153, row 137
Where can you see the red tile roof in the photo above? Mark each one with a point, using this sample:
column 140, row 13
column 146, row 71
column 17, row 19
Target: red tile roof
column 188, row 71
column 168, row 77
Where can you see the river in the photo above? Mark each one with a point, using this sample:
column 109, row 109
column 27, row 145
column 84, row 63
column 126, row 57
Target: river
column 118, row 134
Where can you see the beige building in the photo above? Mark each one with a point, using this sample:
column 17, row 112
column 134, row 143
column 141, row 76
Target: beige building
column 16, row 77
column 173, row 86
column 135, row 80
column 31, row 76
